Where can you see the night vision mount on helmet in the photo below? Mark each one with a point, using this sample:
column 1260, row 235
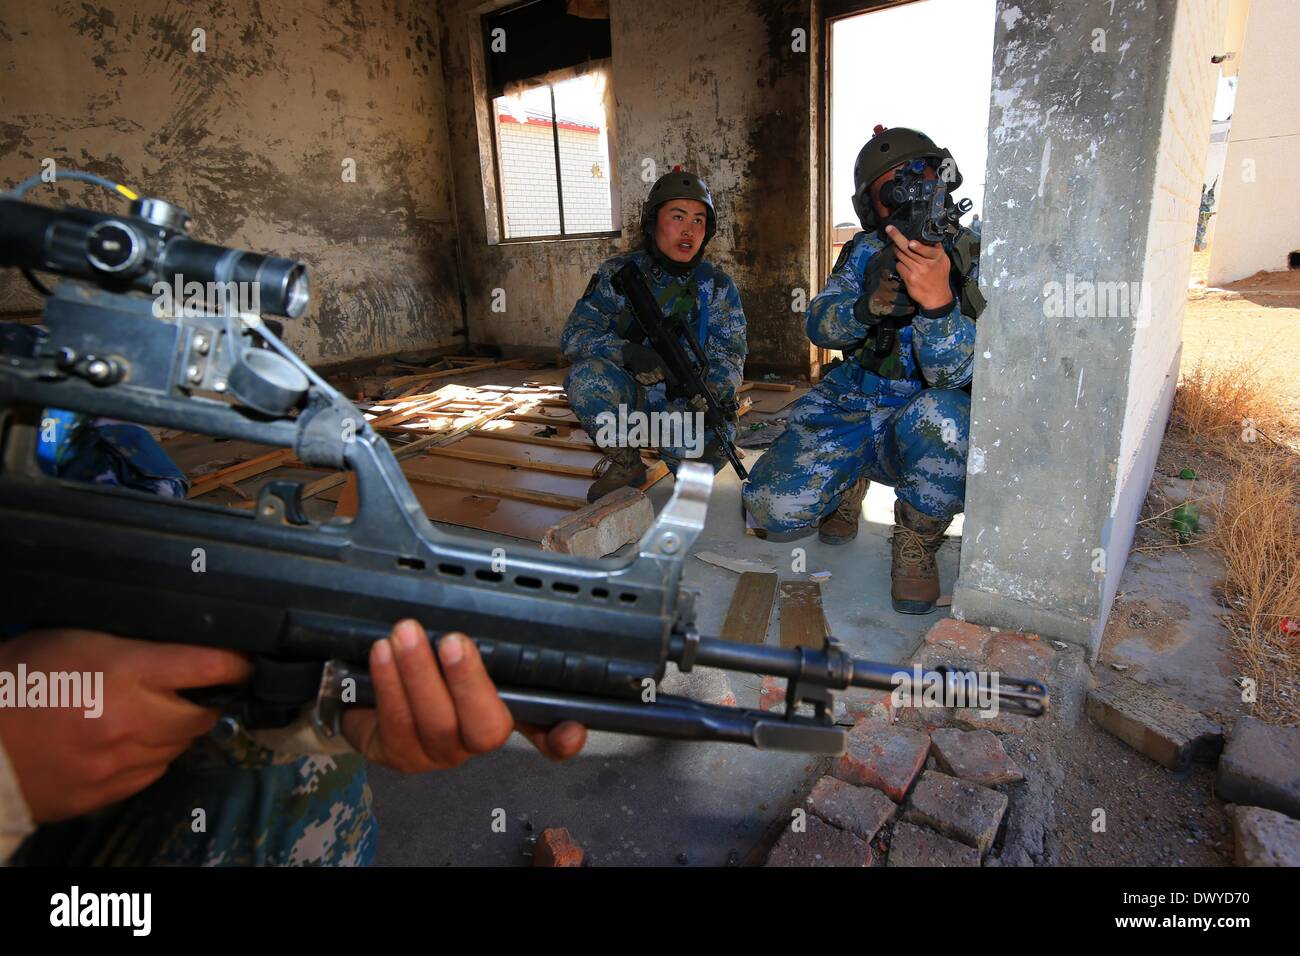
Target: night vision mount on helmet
column 889, row 148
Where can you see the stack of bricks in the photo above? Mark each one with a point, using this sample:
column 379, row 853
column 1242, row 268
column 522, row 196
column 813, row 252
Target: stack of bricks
column 882, row 806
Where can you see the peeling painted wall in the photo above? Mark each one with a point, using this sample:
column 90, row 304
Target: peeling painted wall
column 716, row 87
column 250, row 137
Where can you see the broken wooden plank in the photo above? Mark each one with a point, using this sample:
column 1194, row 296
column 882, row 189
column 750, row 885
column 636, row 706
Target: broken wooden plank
column 751, row 608
column 502, row 491
column 248, row 469
column 406, row 451
column 399, row 415
column 803, row 624
column 546, row 420
column 586, row 445
column 510, row 461
column 404, row 380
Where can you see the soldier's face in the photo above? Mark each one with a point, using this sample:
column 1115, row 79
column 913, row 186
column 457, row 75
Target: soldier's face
column 679, row 228
column 879, row 184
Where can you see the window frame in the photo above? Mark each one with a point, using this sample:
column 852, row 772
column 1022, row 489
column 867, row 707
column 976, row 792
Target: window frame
column 549, row 80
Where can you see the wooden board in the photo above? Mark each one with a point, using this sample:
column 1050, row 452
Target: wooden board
column 488, row 496
column 241, row 471
column 751, row 608
column 803, row 624
column 770, row 402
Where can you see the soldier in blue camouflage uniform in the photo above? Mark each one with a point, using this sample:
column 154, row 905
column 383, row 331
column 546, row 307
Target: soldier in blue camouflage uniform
column 609, row 371
column 897, row 409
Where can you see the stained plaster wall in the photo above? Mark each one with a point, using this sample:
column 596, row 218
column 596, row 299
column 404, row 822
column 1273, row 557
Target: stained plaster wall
column 1098, row 159
column 716, row 87
column 250, row 137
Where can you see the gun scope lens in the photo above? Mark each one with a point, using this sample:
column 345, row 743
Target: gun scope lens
column 113, row 247
column 297, row 291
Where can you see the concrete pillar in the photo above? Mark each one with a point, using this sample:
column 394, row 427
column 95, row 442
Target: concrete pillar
column 1098, row 130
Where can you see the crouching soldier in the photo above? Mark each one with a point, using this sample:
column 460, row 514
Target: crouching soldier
column 897, row 409
column 615, row 378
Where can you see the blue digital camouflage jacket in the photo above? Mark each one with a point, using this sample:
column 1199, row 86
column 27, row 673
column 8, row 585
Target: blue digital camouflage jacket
column 716, row 316
column 936, row 352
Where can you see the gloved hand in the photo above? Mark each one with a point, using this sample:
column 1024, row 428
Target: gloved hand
column 644, row 363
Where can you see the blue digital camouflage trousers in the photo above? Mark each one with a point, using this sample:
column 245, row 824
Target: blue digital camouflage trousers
column 234, row 803
column 918, row 447
column 260, row 807
column 597, row 385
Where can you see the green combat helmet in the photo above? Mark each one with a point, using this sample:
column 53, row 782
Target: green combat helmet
column 679, row 184
column 888, row 148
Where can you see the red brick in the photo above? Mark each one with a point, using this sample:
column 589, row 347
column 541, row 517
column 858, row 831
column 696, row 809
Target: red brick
column 555, row 847
column 917, row 846
column 961, row 811
column 1020, row 655
column 1165, row 729
column 887, row 758
column 875, row 704
column 820, row 844
column 974, row 755
column 771, row 694
column 860, row 810
column 923, row 719
column 972, row 718
column 960, row 637
column 623, row 515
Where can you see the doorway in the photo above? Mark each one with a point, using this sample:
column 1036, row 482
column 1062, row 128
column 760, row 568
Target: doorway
column 924, row 64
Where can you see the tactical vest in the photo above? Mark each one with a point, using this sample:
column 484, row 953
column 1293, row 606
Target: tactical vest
column 885, row 308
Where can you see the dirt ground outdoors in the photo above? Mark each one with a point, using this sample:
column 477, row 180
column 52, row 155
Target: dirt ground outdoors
column 1249, row 335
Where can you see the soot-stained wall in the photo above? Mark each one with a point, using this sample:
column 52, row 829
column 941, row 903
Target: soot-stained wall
column 250, row 136
column 719, row 88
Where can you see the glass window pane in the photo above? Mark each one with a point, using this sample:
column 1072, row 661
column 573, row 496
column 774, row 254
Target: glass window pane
column 530, row 203
column 584, row 154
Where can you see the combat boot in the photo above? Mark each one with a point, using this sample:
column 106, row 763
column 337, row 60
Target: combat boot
column 914, row 574
column 841, row 525
column 620, row 468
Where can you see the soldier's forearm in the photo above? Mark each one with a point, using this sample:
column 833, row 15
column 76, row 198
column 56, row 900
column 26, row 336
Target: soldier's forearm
column 831, row 324
column 945, row 347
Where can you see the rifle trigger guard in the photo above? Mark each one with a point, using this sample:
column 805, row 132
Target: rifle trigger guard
column 328, row 709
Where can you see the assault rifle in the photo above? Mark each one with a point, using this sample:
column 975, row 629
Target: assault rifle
column 563, row 637
column 920, row 209
column 686, row 369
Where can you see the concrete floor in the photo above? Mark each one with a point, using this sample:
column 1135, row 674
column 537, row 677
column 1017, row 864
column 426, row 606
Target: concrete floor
column 634, row 801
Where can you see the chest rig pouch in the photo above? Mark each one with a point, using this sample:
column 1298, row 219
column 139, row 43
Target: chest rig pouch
column 885, row 308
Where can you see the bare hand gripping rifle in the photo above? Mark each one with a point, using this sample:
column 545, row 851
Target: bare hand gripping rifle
column 686, row 368
column 563, row 637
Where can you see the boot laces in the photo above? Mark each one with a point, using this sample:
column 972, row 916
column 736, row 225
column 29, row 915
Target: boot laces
column 850, row 507
column 913, row 550
column 612, row 459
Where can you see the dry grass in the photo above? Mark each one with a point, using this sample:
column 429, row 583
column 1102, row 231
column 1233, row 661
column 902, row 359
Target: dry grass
column 1217, row 412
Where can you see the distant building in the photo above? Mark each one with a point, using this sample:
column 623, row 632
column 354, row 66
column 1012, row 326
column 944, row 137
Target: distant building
column 529, row 198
